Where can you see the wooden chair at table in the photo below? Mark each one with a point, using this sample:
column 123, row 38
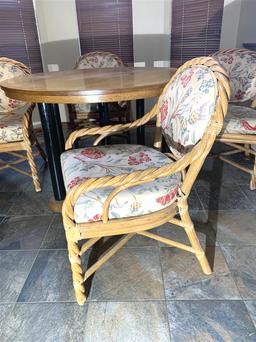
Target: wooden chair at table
column 239, row 129
column 87, row 115
column 16, row 127
column 130, row 189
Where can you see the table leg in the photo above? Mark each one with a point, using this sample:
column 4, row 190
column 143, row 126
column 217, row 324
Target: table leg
column 104, row 118
column 54, row 144
column 139, row 114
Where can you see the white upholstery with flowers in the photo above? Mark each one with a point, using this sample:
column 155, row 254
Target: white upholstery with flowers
column 11, row 128
column 80, row 164
column 9, row 70
column 186, row 109
column 240, row 119
column 240, row 65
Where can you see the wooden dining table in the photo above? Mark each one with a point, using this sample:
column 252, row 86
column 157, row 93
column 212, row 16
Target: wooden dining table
column 83, row 86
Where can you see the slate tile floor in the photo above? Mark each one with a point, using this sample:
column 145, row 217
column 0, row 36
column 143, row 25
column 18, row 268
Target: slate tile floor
column 147, row 291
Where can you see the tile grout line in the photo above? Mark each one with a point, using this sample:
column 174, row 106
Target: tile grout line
column 165, row 300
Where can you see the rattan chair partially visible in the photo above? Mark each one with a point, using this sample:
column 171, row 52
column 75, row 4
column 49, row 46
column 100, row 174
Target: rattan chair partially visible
column 86, row 115
column 16, row 127
column 239, row 129
column 130, row 189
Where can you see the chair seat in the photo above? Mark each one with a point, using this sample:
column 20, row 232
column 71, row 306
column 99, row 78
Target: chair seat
column 240, row 120
column 81, row 164
column 11, row 128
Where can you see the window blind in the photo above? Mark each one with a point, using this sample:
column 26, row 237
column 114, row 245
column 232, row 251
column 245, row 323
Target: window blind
column 196, row 29
column 18, row 33
column 106, row 25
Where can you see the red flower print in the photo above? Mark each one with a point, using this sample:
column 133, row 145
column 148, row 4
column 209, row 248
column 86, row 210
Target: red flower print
column 96, row 217
column 92, row 153
column 167, row 198
column 77, row 180
column 247, row 126
column 12, row 103
column 2, row 126
column 228, row 59
column 240, row 94
column 138, row 159
column 186, row 78
column 164, row 110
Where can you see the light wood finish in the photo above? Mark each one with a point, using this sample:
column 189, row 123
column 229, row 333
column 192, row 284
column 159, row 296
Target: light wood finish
column 191, row 162
column 240, row 142
column 89, row 86
column 29, row 139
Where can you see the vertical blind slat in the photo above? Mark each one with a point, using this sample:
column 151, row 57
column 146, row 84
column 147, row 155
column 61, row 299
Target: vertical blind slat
column 106, row 25
column 18, row 33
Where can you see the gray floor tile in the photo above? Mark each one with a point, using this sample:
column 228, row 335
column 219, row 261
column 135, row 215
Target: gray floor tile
column 6, row 200
column 45, row 322
column 23, row 232
column 31, row 203
column 132, row 273
column 14, row 269
column 50, row 279
column 12, row 181
column 184, row 279
column 125, row 322
column 203, row 228
column 222, row 197
column 216, row 321
column 194, row 201
column 251, row 307
column 55, row 237
column 234, row 227
column 5, row 310
column 250, row 194
column 241, row 261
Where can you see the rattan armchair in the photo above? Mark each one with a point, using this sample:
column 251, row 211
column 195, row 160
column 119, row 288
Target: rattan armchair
column 239, row 129
column 87, row 115
column 130, row 189
column 16, row 127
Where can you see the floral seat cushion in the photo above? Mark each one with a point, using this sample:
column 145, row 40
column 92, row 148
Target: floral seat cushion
column 240, row 119
column 11, row 128
column 80, row 164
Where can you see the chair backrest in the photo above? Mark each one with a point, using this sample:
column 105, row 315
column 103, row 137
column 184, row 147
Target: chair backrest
column 10, row 68
column 188, row 104
column 98, row 59
column 240, row 65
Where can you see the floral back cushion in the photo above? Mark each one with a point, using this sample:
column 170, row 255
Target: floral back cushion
column 186, row 108
column 240, row 65
column 99, row 60
column 9, row 70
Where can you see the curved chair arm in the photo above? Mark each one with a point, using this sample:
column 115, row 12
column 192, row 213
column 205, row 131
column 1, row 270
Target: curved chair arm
column 110, row 129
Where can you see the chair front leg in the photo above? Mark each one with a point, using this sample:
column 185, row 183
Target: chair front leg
column 77, row 272
column 253, row 177
column 190, row 231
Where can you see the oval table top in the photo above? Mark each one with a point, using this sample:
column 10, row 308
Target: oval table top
column 89, row 85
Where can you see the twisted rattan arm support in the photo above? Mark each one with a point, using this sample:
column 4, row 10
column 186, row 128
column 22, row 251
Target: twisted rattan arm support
column 27, row 135
column 110, row 129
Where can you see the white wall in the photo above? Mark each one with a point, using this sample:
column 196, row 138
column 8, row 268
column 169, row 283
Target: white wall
column 247, row 23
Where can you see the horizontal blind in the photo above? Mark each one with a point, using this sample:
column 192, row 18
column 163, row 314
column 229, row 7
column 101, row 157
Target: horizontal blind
column 106, row 25
column 196, row 29
column 18, row 33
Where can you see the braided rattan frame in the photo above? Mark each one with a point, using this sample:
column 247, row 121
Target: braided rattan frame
column 121, row 112
column 240, row 142
column 191, row 162
column 29, row 139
